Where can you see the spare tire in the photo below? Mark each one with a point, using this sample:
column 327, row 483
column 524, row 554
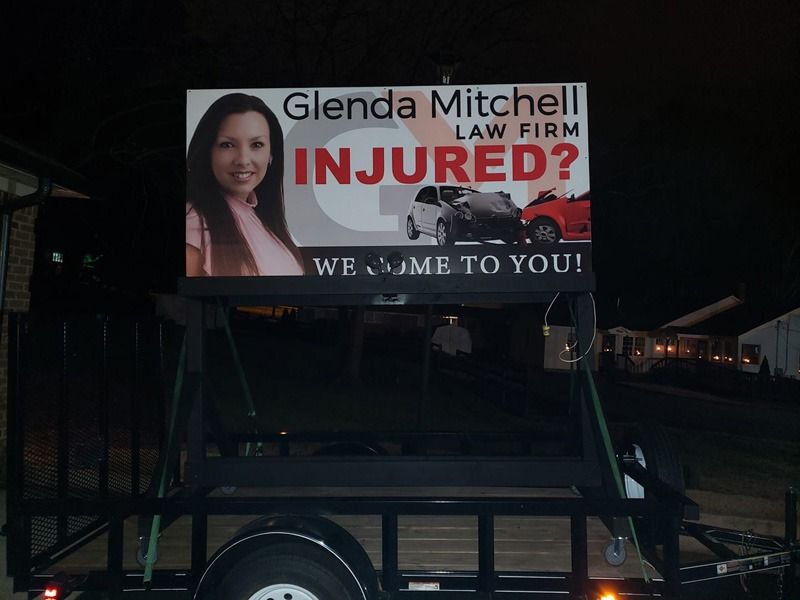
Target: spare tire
column 650, row 445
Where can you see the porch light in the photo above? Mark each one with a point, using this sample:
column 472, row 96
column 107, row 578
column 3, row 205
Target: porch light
column 669, row 348
column 715, row 357
column 746, row 360
column 659, row 348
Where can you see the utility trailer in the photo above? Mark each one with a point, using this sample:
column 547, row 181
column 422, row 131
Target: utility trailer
column 99, row 463
column 100, row 458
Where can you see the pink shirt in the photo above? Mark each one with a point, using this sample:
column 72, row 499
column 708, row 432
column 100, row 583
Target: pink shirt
column 270, row 255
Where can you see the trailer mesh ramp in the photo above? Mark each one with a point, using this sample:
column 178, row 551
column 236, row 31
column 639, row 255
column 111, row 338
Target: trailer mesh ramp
column 89, row 402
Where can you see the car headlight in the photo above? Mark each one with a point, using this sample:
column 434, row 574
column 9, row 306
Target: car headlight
column 460, row 215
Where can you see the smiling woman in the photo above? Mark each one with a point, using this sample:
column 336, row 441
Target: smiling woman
column 235, row 223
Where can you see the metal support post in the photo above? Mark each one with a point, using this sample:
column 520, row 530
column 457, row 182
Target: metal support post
column 580, row 556
column 62, row 457
column 389, row 552
column 194, row 383
column 199, row 542
column 15, row 446
column 426, row 368
column 486, row 553
column 136, row 416
column 790, row 574
column 672, row 566
column 115, row 555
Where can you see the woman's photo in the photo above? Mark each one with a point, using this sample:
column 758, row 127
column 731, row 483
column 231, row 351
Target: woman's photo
column 235, row 222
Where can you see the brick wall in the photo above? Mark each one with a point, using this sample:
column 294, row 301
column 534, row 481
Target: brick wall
column 20, row 267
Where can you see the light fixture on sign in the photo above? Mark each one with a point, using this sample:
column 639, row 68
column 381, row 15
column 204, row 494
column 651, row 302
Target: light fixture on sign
column 394, row 259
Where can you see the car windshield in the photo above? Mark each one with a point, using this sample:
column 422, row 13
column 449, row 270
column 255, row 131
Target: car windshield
column 449, row 193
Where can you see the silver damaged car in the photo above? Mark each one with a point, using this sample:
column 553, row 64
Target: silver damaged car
column 452, row 214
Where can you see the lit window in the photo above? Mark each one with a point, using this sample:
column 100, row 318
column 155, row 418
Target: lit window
column 57, row 257
column 632, row 346
column 751, row 354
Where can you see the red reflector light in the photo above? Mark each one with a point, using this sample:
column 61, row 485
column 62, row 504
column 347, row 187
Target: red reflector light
column 51, row 592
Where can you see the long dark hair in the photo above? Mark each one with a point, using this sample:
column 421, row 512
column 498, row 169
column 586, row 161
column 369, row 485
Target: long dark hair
column 231, row 255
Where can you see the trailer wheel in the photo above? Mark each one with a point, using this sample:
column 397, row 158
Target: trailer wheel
column 289, row 571
column 615, row 553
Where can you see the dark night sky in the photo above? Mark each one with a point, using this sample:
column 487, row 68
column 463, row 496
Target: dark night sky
column 693, row 131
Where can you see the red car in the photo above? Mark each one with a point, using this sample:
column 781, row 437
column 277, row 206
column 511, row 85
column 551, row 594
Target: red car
column 550, row 218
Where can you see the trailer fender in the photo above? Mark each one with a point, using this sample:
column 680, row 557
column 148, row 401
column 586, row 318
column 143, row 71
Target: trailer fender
column 305, row 529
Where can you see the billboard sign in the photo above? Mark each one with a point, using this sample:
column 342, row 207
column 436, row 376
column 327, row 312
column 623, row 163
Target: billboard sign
column 337, row 182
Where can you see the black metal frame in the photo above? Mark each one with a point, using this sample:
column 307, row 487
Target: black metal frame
column 775, row 553
column 586, row 467
column 384, row 289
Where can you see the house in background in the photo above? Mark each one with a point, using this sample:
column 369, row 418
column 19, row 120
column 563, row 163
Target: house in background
column 777, row 341
column 639, row 349
column 726, row 341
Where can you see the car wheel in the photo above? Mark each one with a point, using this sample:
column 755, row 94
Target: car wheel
column 411, row 229
column 289, row 571
column 544, row 231
column 442, row 235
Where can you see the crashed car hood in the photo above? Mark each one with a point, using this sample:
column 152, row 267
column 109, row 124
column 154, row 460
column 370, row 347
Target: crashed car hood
column 487, row 204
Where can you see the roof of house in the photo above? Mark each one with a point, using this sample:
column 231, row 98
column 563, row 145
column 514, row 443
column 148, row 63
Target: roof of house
column 24, row 166
column 705, row 313
column 739, row 320
column 783, row 318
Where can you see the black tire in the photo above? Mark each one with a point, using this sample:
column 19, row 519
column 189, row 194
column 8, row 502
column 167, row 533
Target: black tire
column 660, row 457
column 411, row 229
column 543, row 231
column 443, row 237
column 661, row 461
column 289, row 571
